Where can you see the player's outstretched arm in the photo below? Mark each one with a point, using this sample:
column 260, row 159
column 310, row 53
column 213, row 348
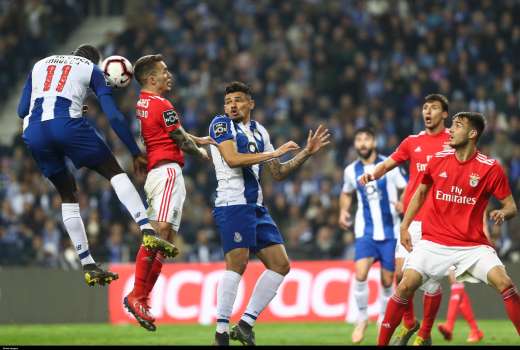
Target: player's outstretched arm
column 118, row 124
column 187, row 144
column 201, row 141
column 507, row 211
column 413, row 208
column 381, row 169
column 234, row 159
column 315, row 142
column 25, row 100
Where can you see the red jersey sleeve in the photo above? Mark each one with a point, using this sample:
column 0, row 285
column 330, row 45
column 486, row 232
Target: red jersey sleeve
column 498, row 184
column 402, row 153
column 167, row 116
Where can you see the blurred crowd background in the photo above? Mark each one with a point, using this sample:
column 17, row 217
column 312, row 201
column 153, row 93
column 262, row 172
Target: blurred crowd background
column 344, row 64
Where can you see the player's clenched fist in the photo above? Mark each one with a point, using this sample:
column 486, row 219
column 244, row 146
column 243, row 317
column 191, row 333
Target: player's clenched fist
column 366, row 178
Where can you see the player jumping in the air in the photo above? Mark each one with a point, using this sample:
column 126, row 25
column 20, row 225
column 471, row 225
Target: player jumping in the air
column 165, row 141
column 54, row 128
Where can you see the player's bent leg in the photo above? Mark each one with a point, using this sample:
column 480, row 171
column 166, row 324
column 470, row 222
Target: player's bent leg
column 397, row 304
column 387, row 278
column 65, row 184
column 431, row 303
column 275, row 259
column 409, row 321
column 128, row 195
column 362, row 266
column 236, row 263
column 499, row 279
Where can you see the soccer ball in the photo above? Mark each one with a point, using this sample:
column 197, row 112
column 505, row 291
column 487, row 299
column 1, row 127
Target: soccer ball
column 118, row 71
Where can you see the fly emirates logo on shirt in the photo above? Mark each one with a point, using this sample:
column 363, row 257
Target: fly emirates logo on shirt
column 422, row 166
column 455, row 196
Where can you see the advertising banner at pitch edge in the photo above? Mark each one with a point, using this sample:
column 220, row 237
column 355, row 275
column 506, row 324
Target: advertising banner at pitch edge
column 187, row 293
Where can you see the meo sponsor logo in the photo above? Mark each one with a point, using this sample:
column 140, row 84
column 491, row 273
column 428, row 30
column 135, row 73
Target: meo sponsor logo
column 186, row 293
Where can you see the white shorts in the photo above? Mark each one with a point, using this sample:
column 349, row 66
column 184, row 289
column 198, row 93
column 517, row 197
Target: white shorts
column 165, row 194
column 415, row 233
column 433, row 261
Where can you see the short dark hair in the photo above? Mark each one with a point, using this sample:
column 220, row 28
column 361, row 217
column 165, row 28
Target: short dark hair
column 89, row 52
column 367, row 130
column 238, row 86
column 440, row 98
column 475, row 119
column 144, row 66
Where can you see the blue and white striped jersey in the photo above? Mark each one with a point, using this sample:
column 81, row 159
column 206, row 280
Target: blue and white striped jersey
column 238, row 185
column 376, row 216
column 57, row 86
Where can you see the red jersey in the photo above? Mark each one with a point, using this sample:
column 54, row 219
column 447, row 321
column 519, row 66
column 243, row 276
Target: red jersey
column 419, row 149
column 158, row 118
column 458, row 197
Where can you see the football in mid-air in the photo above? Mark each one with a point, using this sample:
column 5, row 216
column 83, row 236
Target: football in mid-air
column 118, row 71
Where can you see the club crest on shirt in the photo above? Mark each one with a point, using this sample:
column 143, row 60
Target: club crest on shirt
column 170, row 117
column 237, row 238
column 220, row 129
column 474, row 179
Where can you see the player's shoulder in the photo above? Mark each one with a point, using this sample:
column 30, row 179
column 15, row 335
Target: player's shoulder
column 485, row 160
column 350, row 168
column 219, row 118
column 444, row 154
column 160, row 101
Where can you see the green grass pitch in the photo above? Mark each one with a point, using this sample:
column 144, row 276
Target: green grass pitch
column 496, row 332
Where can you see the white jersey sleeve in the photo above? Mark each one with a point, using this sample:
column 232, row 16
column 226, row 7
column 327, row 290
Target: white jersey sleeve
column 396, row 176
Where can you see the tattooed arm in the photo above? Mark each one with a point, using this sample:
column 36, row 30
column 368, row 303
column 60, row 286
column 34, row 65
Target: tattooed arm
column 187, row 144
column 280, row 171
column 315, row 142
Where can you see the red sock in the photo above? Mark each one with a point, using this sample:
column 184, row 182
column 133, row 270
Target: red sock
column 393, row 314
column 409, row 316
column 467, row 311
column 512, row 304
column 155, row 271
column 431, row 303
column 457, row 292
column 142, row 267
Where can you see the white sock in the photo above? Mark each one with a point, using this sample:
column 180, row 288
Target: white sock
column 226, row 293
column 386, row 293
column 76, row 230
column 265, row 290
column 361, row 296
column 128, row 195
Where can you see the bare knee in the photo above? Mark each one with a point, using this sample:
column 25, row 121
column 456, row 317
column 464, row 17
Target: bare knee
column 386, row 281
column 237, row 259
column 281, row 268
column 404, row 290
